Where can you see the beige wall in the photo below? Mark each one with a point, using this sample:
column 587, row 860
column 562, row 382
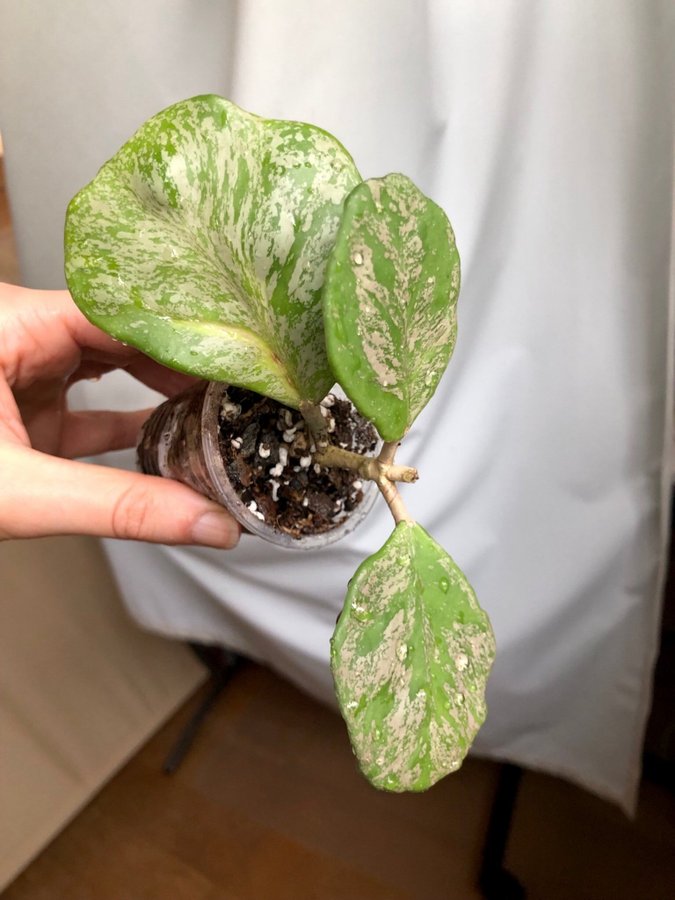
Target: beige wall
column 81, row 688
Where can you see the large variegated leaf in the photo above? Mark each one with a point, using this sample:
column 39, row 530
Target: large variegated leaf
column 411, row 655
column 389, row 299
column 204, row 242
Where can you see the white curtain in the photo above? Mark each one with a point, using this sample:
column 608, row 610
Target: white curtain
column 545, row 131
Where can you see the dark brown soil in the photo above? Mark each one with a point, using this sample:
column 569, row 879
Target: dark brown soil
column 268, row 456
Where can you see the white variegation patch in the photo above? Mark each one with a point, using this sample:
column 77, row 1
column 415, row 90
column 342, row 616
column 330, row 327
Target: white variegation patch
column 410, row 658
column 390, row 301
column 210, row 231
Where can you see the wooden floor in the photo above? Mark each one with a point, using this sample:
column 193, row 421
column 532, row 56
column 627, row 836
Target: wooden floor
column 269, row 806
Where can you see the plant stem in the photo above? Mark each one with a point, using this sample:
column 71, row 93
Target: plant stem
column 311, row 413
column 388, row 452
column 380, row 469
column 394, row 501
column 329, row 455
column 368, row 467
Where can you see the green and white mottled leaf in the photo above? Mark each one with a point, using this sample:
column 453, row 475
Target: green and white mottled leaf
column 390, row 301
column 410, row 656
column 204, row 243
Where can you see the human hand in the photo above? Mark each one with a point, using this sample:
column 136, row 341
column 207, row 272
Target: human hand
column 46, row 345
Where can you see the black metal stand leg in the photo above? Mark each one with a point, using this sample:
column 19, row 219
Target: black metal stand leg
column 222, row 665
column 494, row 881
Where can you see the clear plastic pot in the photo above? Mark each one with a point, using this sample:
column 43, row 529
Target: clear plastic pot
column 180, row 440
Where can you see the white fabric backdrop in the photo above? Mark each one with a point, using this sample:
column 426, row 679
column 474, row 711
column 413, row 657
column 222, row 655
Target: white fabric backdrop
column 545, row 131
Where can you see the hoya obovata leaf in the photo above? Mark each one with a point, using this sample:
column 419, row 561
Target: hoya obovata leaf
column 204, row 243
column 410, row 656
column 389, row 299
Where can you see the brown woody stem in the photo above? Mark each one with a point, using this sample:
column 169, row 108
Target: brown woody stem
column 394, row 501
column 388, row 452
column 311, row 413
column 368, row 467
column 380, row 469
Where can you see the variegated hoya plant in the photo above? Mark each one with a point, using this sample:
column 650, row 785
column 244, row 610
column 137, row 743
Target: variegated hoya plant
column 250, row 251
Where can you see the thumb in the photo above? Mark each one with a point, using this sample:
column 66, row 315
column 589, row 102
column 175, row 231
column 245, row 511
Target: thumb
column 44, row 495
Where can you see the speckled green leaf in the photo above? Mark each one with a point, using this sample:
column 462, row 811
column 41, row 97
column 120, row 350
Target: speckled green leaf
column 204, row 242
column 390, row 299
column 410, row 656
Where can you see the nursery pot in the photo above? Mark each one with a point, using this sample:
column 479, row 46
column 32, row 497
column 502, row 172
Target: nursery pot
column 183, row 440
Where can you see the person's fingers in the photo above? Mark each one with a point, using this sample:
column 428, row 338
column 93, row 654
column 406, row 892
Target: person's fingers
column 99, row 348
column 49, row 338
column 150, row 373
column 88, row 432
column 156, row 376
column 89, row 371
column 43, row 495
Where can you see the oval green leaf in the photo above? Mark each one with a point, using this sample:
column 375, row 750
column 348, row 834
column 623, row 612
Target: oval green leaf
column 204, row 243
column 410, row 657
column 390, row 301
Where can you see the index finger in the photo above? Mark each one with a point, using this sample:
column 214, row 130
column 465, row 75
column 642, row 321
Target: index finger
column 48, row 337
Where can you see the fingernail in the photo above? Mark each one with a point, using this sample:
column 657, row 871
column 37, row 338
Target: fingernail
column 216, row 529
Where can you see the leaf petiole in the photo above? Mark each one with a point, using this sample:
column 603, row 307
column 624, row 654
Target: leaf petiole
column 394, row 501
column 368, row 467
